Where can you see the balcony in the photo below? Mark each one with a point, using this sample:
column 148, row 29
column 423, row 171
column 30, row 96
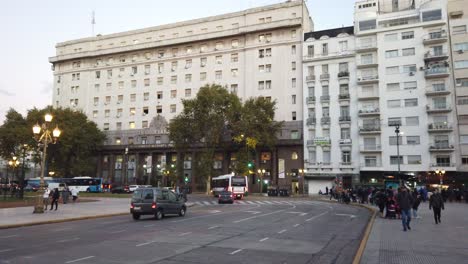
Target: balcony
column 438, row 108
column 435, row 37
column 370, row 165
column 325, row 120
column 311, row 121
column 439, row 127
column 310, row 78
column 321, row 141
column 435, row 91
column 437, row 72
column 369, row 129
column 345, row 142
column 441, row 147
column 435, row 56
column 343, row 74
column 343, row 96
column 368, row 96
column 328, row 56
column 366, row 47
column 346, row 164
column 367, row 64
column 325, row 98
column 371, row 148
column 311, row 100
column 443, row 165
column 325, row 76
column 310, row 143
column 345, row 119
column 369, row 112
column 368, row 79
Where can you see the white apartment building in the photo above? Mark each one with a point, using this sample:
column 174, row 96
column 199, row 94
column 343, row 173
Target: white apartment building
column 132, row 83
column 331, row 145
column 403, row 59
column 458, row 23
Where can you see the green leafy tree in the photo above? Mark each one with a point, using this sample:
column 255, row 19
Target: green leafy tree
column 203, row 123
column 74, row 152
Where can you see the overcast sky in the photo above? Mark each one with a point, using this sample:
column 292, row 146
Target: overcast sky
column 31, row 28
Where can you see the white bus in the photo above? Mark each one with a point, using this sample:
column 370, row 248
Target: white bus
column 238, row 185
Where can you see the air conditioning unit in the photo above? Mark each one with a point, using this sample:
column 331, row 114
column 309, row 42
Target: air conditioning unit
column 422, row 68
column 132, row 74
column 411, row 74
column 460, row 51
column 458, row 84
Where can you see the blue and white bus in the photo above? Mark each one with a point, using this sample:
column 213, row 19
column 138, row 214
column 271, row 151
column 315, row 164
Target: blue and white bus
column 82, row 184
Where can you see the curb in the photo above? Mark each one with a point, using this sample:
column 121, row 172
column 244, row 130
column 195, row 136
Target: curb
column 365, row 238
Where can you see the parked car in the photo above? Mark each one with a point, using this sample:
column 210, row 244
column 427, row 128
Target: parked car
column 120, row 189
column 132, row 188
column 156, row 201
column 226, row 197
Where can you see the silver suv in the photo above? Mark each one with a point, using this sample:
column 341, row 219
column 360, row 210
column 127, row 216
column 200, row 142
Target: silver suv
column 157, row 202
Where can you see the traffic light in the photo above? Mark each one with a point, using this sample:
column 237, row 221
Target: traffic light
column 250, row 165
column 186, row 179
column 258, row 180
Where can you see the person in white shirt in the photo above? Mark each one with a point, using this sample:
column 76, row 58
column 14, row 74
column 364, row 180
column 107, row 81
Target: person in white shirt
column 74, row 192
column 45, row 197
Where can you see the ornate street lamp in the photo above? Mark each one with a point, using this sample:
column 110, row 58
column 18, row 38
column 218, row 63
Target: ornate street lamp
column 441, row 174
column 301, row 173
column 261, row 172
column 43, row 135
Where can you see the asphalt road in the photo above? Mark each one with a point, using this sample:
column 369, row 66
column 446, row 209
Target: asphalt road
column 262, row 231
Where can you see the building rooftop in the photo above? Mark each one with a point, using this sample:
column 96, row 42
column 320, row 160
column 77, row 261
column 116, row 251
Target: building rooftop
column 334, row 32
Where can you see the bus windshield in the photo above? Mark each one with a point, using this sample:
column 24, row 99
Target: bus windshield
column 238, row 181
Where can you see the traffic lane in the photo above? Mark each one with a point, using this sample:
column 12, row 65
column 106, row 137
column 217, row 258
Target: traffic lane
column 89, row 231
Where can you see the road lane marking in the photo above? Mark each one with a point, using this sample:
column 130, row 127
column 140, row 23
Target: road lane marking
column 282, row 231
column 253, row 212
column 295, row 213
column 80, row 259
column 277, row 202
column 204, row 216
column 317, row 216
column 350, row 215
column 268, row 202
column 62, row 229
column 235, row 251
column 241, row 202
column 252, row 217
column 213, row 227
column 118, row 231
column 259, row 202
column 296, row 225
column 215, row 211
column 263, row 239
column 149, row 225
column 9, row 236
column 146, row 243
column 68, row 240
column 183, row 234
column 6, row 250
column 250, row 202
column 207, row 203
column 199, row 203
column 303, row 214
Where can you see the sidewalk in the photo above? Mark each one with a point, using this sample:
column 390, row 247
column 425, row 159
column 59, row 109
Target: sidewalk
column 426, row 243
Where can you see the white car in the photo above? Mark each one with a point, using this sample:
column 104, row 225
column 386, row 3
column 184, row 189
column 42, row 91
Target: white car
column 132, row 188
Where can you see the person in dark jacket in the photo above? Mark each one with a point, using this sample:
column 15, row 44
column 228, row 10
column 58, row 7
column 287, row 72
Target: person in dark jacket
column 380, row 200
column 416, row 202
column 405, row 202
column 55, row 198
column 436, row 203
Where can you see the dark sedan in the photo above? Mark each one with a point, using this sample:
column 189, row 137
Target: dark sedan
column 226, row 197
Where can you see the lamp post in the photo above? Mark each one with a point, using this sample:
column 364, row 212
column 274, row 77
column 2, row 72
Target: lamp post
column 441, row 174
column 13, row 163
column 301, row 174
column 261, row 172
column 45, row 138
column 21, row 182
column 145, row 167
column 397, row 132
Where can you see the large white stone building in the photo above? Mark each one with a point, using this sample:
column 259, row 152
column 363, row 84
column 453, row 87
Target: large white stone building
column 131, row 83
column 400, row 80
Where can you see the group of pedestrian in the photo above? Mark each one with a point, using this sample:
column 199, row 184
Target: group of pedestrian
column 53, row 197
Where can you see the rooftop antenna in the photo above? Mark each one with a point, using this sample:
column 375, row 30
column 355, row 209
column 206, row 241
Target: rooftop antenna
column 93, row 22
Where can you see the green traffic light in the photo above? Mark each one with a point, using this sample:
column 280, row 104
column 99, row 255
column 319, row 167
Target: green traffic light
column 186, row 179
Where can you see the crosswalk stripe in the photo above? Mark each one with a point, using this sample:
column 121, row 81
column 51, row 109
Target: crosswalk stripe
column 241, row 202
column 277, row 202
column 268, row 202
column 199, row 203
column 207, row 203
column 213, row 202
column 259, row 202
column 250, row 202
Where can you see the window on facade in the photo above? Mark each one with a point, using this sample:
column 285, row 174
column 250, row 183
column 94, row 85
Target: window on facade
column 188, row 64
column 409, row 68
column 407, row 35
column 159, row 95
column 160, row 80
column 159, row 109
column 392, row 70
column 95, row 114
column 293, row 99
column 219, row 45
column 459, row 29
column 218, row 75
column 293, row 50
column 462, row 100
column 134, row 70
column 408, row 52
column 325, row 49
column 432, row 15
column 414, row 159
column 188, row 92
column 145, row 96
column 461, row 64
column 261, row 85
column 310, row 50
column 147, row 69
column 131, row 124
column 370, row 161
column 98, row 74
column 234, row 72
column 219, row 59
column 393, row 103
column 175, row 51
column 145, row 111
column 410, row 85
column 391, row 37
column 345, row 133
column 412, row 102
column 393, row 86
column 203, row 48
column 172, row 108
column 146, row 82
column 173, row 94
column 160, row 67
column 412, row 121
column 293, row 115
column 188, row 78
column 293, row 82
column 234, row 57
column 133, row 83
column 267, row 85
column 461, row 47
column 234, row 43
column 346, row 156
column 293, row 66
column 234, row 88
column 343, row 67
column 343, row 45
column 202, row 76
column 132, row 97
column 412, row 140
column 391, row 53
column 174, row 66
column 174, row 79
column 367, row 25
column 394, row 160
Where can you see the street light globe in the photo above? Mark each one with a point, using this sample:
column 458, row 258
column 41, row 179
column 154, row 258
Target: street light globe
column 10, row 163
column 36, row 129
column 48, row 117
column 56, row 133
column 443, row 171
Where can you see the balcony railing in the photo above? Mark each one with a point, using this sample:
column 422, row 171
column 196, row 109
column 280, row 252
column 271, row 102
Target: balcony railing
column 324, row 98
column 435, row 37
column 345, row 118
column 310, row 143
column 437, row 90
column 433, row 56
column 346, row 141
column 311, row 99
column 368, row 79
column 343, row 74
column 371, row 164
column 443, row 164
column 366, row 46
column 369, row 128
column 441, row 146
column 374, row 147
column 437, row 72
column 369, row 111
column 311, row 121
column 325, row 120
column 438, row 108
column 343, row 96
column 325, row 76
column 310, row 78
column 443, row 126
column 346, row 163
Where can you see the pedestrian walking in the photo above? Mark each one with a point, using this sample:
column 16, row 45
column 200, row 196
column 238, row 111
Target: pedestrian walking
column 380, row 200
column 416, row 203
column 74, row 192
column 326, row 190
column 65, row 194
column 55, row 198
column 405, row 201
column 45, row 198
column 436, row 203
